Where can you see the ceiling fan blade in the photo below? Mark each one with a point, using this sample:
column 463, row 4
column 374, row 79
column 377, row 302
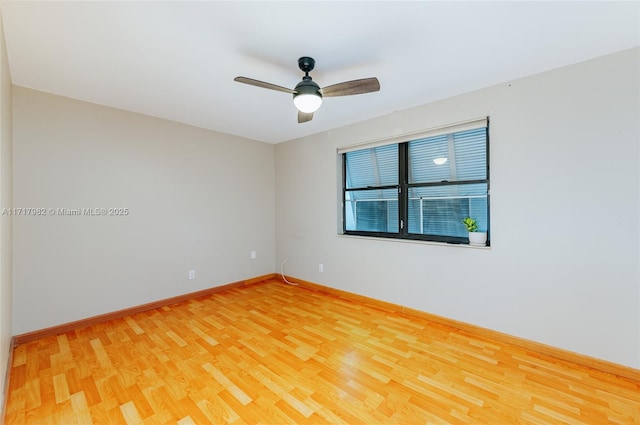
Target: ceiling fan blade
column 304, row 117
column 262, row 84
column 348, row 88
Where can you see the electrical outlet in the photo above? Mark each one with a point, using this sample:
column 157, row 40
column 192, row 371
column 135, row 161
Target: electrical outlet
column 253, row 255
column 321, row 268
column 192, row 274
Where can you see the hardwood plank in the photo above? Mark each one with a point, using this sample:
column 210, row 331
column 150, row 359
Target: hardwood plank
column 272, row 353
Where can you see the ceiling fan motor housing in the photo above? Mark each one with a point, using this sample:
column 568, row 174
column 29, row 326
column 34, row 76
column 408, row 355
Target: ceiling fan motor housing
column 307, row 86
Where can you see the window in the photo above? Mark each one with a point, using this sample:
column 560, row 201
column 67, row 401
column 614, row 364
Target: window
column 419, row 187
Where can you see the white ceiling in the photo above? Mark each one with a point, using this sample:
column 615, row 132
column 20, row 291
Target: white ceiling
column 177, row 60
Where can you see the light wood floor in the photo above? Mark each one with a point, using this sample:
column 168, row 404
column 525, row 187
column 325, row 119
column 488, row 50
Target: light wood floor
column 277, row 354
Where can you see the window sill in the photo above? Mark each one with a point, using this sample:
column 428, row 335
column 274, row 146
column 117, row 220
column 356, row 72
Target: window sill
column 413, row 241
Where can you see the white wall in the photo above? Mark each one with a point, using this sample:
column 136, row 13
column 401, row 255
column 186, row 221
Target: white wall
column 563, row 268
column 5, row 202
column 197, row 200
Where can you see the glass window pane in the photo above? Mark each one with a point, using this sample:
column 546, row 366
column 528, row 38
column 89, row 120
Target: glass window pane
column 425, row 160
column 451, row 157
column 440, row 210
column 372, row 210
column 471, row 154
column 372, row 167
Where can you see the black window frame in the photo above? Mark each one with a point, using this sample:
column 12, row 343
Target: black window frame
column 402, row 189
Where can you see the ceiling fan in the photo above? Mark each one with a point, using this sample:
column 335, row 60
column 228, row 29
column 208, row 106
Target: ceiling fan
column 307, row 95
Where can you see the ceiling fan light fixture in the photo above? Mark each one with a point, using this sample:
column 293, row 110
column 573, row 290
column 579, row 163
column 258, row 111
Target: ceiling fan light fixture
column 307, row 103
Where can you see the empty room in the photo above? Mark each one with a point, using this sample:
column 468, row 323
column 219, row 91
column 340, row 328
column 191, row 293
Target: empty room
column 325, row 212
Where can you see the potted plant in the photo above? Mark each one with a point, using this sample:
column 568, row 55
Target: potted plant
column 476, row 238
